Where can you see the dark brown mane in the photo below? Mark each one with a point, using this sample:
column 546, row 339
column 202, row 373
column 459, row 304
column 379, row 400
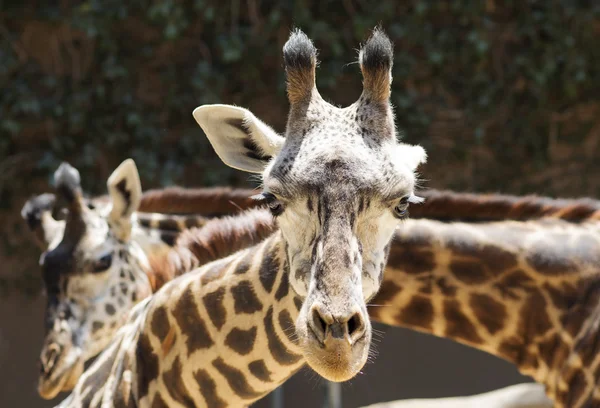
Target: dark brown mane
column 449, row 205
column 217, row 239
column 205, row 201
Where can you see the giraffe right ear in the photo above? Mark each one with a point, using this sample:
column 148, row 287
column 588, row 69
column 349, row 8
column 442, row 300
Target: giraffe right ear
column 125, row 191
column 240, row 139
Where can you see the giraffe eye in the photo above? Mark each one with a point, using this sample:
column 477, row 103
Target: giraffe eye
column 275, row 206
column 401, row 209
column 102, row 264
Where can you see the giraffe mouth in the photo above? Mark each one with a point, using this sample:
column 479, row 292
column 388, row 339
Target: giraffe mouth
column 59, row 370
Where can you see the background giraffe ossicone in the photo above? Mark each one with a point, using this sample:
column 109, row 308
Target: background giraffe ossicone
column 338, row 183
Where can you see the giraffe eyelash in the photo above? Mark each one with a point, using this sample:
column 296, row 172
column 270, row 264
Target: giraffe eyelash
column 275, row 205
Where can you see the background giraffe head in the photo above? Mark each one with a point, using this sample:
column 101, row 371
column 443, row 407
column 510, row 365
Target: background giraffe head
column 338, row 183
column 93, row 273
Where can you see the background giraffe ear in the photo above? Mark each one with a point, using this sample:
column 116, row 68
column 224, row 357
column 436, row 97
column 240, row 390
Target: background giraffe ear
column 240, row 139
column 409, row 156
column 37, row 212
column 125, row 192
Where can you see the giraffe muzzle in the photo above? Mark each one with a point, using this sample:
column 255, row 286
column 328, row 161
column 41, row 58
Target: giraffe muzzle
column 336, row 345
column 59, row 370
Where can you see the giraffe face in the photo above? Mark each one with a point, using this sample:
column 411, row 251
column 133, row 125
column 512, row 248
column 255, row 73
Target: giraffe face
column 93, row 277
column 338, row 183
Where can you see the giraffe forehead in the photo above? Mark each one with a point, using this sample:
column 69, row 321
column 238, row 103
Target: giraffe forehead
column 351, row 161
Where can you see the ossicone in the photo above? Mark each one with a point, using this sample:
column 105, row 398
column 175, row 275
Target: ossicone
column 376, row 59
column 300, row 60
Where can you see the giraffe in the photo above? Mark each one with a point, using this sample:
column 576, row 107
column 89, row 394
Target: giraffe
column 93, row 266
column 339, row 183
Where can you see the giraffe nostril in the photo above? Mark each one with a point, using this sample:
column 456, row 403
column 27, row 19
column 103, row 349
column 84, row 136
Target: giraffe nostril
column 355, row 326
column 318, row 324
column 50, row 358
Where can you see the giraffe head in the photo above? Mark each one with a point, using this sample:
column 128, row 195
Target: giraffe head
column 93, row 275
column 338, row 183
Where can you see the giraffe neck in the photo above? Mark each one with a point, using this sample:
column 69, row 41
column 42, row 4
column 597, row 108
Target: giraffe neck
column 524, row 291
column 222, row 335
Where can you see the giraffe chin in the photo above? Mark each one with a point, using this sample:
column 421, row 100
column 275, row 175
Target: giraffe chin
column 62, row 376
column 336, row 360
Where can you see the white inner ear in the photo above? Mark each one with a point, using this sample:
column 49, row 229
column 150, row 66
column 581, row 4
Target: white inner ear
column 240, row 139
column 410, row 155
column 125, row 190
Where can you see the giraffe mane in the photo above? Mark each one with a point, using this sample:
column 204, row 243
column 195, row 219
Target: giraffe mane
column 215, row 200
column 449, row 205
column 217, row 239
column 206, row 200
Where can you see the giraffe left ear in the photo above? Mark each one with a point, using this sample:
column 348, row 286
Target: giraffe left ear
column 125, row 191
column 410, row 155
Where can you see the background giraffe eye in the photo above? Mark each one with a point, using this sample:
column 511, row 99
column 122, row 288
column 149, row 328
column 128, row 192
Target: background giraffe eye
column 102, row 264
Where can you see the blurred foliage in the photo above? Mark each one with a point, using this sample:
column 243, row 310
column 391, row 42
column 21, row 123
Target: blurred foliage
column 503, row 94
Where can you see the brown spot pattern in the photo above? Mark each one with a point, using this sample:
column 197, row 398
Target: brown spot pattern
column 458, row 325
column 298, row 303
column 278, row 350
column 245, row 299
column 236, row 380
column 490, row 313
column 173, row 382
column 259, row 369
column 511, row 349
column 147, row 363
column 417, row 313
column 96, row 326
column 191, row 324
column 269, row 268
column 110, row 309
column 213, row 304
column 413, row 261
column 470, row 272
column 284, row 286
column 160, row 323
column 208, row 389
column 514, row 284
column 241, row 341
column 577, row 386
column 159, row 402
column 287, row 325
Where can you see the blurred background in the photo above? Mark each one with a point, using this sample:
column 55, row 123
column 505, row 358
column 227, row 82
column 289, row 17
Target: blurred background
column 504, row 95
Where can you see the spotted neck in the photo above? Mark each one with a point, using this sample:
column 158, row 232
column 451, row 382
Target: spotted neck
column 525, row 291
column 222, row 335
